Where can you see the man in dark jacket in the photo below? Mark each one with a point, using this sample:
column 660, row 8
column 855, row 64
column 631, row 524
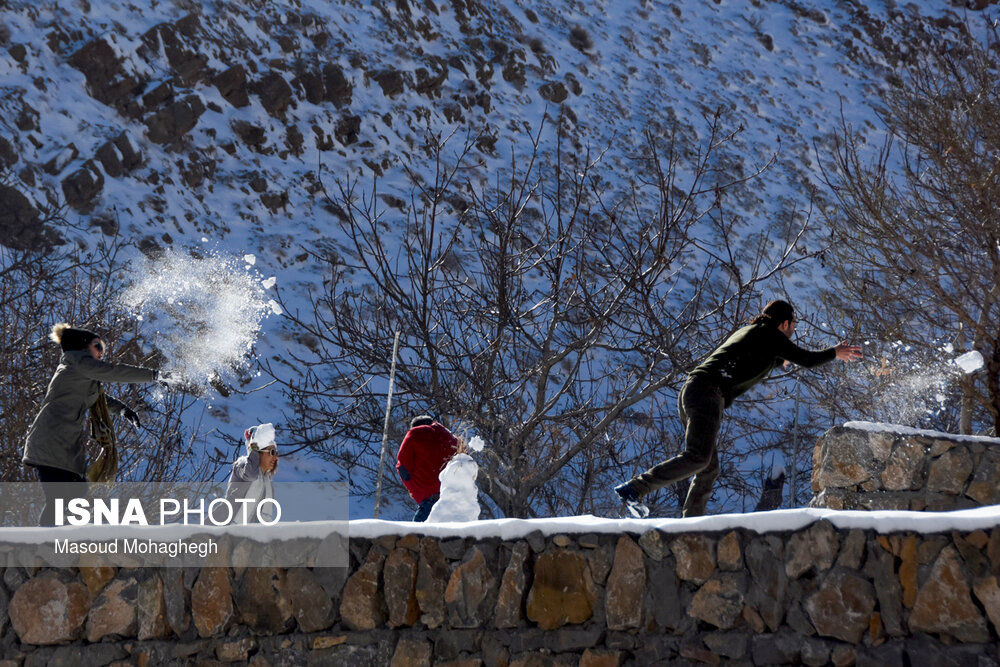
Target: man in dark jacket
column 57, row 438
column 742, row 361
column 426, row 448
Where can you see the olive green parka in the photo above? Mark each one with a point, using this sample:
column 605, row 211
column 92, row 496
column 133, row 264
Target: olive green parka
column 58, row 437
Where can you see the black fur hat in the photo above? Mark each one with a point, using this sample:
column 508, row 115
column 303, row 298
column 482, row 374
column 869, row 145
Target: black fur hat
column 71, row 339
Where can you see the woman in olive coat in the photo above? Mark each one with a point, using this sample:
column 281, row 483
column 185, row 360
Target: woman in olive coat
column 57, row 438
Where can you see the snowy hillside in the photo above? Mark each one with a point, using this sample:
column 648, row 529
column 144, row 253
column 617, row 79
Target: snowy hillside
column 209, row 126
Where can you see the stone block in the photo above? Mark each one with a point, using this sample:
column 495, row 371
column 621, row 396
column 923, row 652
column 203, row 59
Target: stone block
column 719, row 601
column 600, row 658
column 988, row 593
column 601, row 559
column 985, row 485
column 562, row 591
column 695, row 556
column 260, row 602
column 815, row 547
column 400, row 575
column 626, row 585
column 730, row 644
column 44, row 610
column 432, row 578
column 663, row 597
column 768, row 583
column 728, row 552
column 412, row 653
column 852, row 551
column 905, row 467
column 307, row 599
column 471, row 592
column 842, row 607
column 152, row 610
column 94, row 574
column 842, row 459
column 510, row 599
column 944, row 603
column 362, row 606
column 212, row 601
column 776, row 649
column 654, row 544
column 950, row 472
column 235, row 651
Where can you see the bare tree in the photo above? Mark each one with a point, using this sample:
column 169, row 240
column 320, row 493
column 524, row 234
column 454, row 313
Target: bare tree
column 549, row 312
column 78, row 283
column 916, row 223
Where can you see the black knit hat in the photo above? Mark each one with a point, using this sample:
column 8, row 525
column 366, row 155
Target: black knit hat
column 70, row 338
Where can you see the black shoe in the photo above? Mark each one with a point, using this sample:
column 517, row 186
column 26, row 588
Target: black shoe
column 627, row 493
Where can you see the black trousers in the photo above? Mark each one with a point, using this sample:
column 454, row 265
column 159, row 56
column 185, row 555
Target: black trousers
column 700, row 405
column 57, row 483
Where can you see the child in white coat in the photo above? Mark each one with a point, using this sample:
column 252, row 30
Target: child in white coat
column 252, row 475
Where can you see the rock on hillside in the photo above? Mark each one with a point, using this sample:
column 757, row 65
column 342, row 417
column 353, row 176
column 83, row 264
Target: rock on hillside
column 175, row 114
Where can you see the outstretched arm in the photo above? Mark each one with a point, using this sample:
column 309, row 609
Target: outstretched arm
column 102, row 370
column 791, row 352
column 848, row 353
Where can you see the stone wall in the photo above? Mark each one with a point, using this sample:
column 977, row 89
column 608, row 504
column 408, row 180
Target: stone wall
column 867, row 467
column 818, row 595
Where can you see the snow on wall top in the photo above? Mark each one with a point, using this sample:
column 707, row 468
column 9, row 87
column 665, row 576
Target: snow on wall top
column 883, row 522
column 896, row 429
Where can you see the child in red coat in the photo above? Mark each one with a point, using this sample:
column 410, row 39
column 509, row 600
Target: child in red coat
column 426, row 448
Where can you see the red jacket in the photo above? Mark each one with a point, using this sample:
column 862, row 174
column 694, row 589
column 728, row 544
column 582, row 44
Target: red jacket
column 422, row 457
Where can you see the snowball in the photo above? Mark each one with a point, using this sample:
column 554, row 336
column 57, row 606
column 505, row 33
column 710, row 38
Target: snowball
column 250, row 259
column 970, row 362
column 275, row 308
column 476, row 444
column 208, row 311
column 269, row 283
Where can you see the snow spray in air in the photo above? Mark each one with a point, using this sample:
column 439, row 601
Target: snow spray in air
column 459, row 499
column 912, row 387
column 203, row 313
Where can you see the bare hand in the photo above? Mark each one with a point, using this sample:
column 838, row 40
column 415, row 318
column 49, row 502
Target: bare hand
column 848, row 353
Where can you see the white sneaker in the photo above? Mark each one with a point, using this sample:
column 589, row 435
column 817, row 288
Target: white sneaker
column 638, row 510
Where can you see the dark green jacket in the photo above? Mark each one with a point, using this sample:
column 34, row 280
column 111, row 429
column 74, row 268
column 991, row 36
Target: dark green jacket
column 750, row 354
column 58, row 438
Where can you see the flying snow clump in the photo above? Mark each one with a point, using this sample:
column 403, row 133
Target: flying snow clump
column 203, row 313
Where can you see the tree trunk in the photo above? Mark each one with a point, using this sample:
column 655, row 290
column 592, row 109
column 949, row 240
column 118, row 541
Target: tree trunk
column 993, row 387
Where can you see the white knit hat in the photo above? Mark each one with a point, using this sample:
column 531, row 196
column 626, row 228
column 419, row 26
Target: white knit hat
column 261, row 435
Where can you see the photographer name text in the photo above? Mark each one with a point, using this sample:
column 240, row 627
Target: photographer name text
column 138, row 546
